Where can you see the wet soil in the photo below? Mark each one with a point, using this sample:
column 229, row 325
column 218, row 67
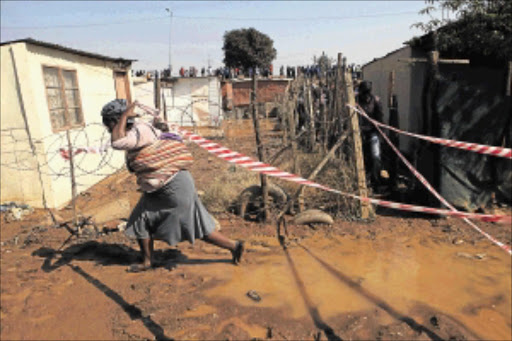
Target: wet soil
column 398, row 277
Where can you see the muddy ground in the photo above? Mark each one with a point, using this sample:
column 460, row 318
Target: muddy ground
column 398, row 277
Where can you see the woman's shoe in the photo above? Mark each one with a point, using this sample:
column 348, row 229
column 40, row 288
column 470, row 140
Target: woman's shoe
column 237, row 252
column 139, row 268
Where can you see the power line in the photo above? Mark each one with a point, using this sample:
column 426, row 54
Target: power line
column 83, row 25
column 304, row 18
column 219, row 18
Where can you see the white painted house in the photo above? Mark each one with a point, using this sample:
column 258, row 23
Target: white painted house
column 50, row 92
column 187, row 101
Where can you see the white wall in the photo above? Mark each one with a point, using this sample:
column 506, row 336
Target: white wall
column 96, row 87
column 19, row 180
column 408, row 85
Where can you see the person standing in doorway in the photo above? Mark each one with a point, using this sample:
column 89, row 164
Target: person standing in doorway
column 371, row 141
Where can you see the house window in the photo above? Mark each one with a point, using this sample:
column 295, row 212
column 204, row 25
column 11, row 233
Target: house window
column 63, row 98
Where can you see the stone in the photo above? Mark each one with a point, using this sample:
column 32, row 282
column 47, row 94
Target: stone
column 464, row 255
column 253, row 295
column 457, row 241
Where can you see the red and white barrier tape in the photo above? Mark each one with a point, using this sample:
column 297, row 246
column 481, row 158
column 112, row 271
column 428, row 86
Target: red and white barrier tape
column 263, row 168
column 260, row 167
column 429, row 186
column 64, row 152
column 474, row 147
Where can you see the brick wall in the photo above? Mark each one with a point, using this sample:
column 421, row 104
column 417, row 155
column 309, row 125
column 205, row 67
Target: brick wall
column 268, row 90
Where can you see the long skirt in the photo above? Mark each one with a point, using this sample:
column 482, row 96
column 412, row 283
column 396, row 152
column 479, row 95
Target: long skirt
column 173, row 213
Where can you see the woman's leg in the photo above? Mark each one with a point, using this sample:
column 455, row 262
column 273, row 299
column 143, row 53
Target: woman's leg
column 218, row 239
column 146, row 249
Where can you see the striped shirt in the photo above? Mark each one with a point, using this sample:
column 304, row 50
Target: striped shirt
column 152, row 157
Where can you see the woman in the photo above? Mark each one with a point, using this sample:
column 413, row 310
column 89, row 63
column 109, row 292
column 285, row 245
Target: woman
column 169, row 208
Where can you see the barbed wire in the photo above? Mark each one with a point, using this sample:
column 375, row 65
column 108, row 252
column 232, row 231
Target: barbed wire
column 17, row 156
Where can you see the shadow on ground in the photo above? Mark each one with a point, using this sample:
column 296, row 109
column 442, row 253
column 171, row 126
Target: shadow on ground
column 115, row 254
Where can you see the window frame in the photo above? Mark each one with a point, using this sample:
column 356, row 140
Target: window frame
column 62, row 91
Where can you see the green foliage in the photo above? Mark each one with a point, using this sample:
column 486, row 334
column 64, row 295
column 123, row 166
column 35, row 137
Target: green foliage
column 324, row 62
column 247, row 47
column 482, row 29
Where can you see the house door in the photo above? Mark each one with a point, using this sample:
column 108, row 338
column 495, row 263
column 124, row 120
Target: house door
column 122, row 86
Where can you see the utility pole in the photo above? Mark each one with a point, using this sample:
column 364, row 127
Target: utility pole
column 170, row 39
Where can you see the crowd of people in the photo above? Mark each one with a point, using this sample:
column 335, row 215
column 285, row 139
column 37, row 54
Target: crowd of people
column 307, row 71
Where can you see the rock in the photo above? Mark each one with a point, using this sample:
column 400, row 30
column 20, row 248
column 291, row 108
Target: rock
column 464, row 255
column 253, row 295
column 434, row 321
column 122, row 226
column 480, row 255
column 457, row 241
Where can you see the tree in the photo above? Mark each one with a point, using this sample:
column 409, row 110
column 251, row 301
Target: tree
column 324, row 62
column 482, row 29
column 247, row 47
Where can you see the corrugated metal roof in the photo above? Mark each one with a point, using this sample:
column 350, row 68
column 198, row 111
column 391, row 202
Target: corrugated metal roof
column 67, row 49
column 388, row 54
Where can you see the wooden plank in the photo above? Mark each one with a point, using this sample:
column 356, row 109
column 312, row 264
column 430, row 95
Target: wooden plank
column 439, row 61
column 391, row 88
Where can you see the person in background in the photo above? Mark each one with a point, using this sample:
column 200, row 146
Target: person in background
column 371, row 142
column 169, row 208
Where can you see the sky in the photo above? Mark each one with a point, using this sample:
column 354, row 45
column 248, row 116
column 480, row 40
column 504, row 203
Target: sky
column 144, row 30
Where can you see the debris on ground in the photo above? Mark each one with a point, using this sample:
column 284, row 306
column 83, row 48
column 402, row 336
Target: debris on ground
column 253, row 295
column 14, row 211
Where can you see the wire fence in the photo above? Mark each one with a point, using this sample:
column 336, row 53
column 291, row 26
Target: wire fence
column 16, row 154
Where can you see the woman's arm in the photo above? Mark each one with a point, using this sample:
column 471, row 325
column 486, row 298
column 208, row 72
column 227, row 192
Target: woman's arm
column 119, row 130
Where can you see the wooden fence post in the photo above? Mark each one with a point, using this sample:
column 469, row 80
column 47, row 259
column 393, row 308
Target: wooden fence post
column 312, row 132
column 73, row 181
column 366, row 208
column 165, row 106
column 261, row 156
column 431, row 121
column 394, row 121
column 157, row 88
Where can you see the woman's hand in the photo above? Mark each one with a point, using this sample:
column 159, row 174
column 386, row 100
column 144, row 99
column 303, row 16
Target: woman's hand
column 130, row 111
column 119, row 130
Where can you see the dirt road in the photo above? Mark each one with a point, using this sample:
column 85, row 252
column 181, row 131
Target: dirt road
column 395, row 278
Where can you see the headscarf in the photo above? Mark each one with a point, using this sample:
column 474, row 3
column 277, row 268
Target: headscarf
column 114, row 108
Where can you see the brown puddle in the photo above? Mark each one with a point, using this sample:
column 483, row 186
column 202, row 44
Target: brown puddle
column 341, row 275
